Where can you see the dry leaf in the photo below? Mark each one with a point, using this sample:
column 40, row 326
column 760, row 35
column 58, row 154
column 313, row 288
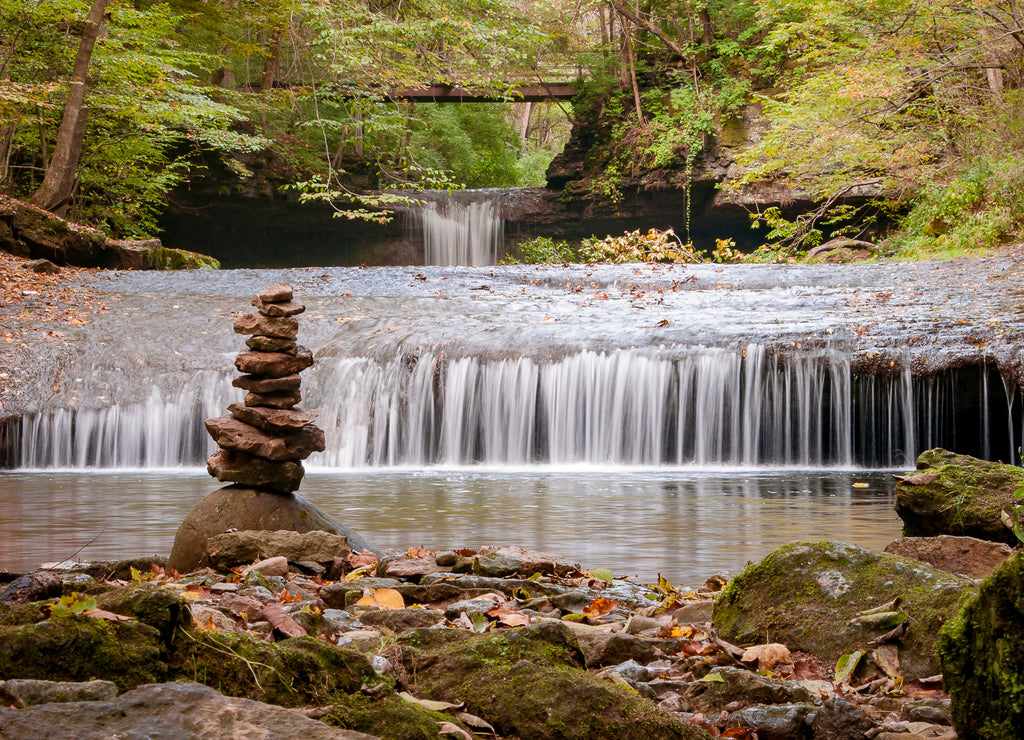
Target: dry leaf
column 599, row 607
column 473, row 721
column 447, row 728
column 509, row 616
column 382, row 598
column 358, row 560
column 437, row 706
column 109, row 616
column 280, row 621
column 767, row 656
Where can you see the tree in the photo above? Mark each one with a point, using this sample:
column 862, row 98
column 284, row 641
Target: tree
column 55, row 192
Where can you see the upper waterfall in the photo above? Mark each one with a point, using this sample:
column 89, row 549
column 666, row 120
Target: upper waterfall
column 464, row 227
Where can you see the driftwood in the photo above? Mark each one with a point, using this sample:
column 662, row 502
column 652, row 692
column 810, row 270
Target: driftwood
column 43, row 584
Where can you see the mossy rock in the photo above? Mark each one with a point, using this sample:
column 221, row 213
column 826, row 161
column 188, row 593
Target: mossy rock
column 290, row 673
column 79, row 648
column 805, row 594
column 18, row 614
column 957, row 495
column 388, row 716
column 167, row 258
column 529, row 683
column 160, row 608
column 982, row 654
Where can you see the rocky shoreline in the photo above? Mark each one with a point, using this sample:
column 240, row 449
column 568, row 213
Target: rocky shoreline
column 303, row 633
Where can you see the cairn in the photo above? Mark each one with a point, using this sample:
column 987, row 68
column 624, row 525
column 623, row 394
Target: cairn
column 263, row 441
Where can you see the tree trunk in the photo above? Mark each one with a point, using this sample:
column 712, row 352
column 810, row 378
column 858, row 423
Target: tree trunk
column 271, row 61
column 55, row 192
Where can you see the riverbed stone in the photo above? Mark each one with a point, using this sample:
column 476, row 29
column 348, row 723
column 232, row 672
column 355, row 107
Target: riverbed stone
column 232, row 548
column 774, row 722
column 273, row 420
column 184, row 711
column 234, row 434
column 286, row 327
column 839, row 719
column 272, row 344
column 965, row 499
column 982, row 654
column 273, row 364
column 602, row 648
column 805, row 595
column 280, row 400
column 260, row 384
column 965, row 556
column 745, row 687
column 234, row 466
column 239, row 507
column 27, row 692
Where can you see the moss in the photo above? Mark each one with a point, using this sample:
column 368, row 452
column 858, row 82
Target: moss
column 387, row 717
column 159, row 608
column 805, row 594
column 180, row 259
column 18, row 614
column 289, row 673
column 529, row 683
column 982, row 654
column 77, row 648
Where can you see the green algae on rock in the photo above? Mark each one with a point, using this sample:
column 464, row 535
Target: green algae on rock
column 957, row 495
column 982, row 655
column 805, row 595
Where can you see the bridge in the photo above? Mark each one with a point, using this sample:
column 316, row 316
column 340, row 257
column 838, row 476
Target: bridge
column 533, row 93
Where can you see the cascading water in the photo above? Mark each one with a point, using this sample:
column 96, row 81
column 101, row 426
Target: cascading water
column 461, row 228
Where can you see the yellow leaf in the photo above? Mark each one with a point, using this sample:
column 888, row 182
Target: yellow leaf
column 767, row 656
column 383, row 598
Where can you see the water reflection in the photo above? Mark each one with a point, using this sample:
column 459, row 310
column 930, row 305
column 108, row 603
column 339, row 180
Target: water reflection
column 682, row 524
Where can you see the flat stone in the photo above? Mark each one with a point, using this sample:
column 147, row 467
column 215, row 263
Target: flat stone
column 406, row 567
column 532, row 562
column 966, row 556
column 741, row 685
column 259, row 384
column 273, row 364
column 271, row 419
column 233, row 434
column 27, row 692
column 205, row 616
column 276, row 293
column 276, row 566
column 612, row 648
column 225, row 588
column 231, row 548
column 696, row 612
column 242, row 508
column 282, row 400
column 256, row 323
column 400, row 620
column 272, row 344
column 233, row 466
column 276, row 310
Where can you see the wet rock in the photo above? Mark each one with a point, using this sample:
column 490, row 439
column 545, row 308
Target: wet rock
column 982, row 654
column 232, row 548
column 273, row 420
column 234, row 466
column 242, row 508
column 25, row 692
column 965, row 556
column 745, row 687
column 184, row 711
column 273, row 364
column 838, row 719
column 232, row 434
column 256, row 323
column 965, row 500
column 805, row 595
column 782, row 722
column 258, row 384
column 572, row 602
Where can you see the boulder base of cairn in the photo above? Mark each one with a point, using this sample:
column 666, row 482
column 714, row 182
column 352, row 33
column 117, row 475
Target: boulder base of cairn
column 239, row 507
column 232, row 466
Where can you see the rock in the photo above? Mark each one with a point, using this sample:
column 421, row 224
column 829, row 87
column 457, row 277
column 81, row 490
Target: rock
column 982, row 654
column 233, row 434
column 407, row 567
column 184, row 711
column 37, row 586
column 931, row 715
column 26, row 692
column 237, row 507
column 276, row 310
column 276, row 566
column 160, row 608
column 639, row 623
column 402, row 620
column 838, row 719
column 258, row 384
column 43, row 266
column 496, row 566
column 770, row 722
column 275, row 293
column 612, row 648
column 205, row 617
column 273, row 364
column 281, row 400
column 696, row 612
column 805, row 595
column 965, row 556
column 965, row 500
column 272, row 344
column 273, row 420
column 256, row 323
column 741, row 685
column 531, row 562
column 232, row 548
column 232, row 466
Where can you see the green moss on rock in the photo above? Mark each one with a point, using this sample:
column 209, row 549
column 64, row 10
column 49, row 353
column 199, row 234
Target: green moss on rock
column 965, row 499
column 158, row 607
column 388, row 717
column 982, row 655
column 805, row 594
column 529, row 683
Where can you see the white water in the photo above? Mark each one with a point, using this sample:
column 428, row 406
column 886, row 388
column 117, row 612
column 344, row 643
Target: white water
column 462, row 230
column 710, row 407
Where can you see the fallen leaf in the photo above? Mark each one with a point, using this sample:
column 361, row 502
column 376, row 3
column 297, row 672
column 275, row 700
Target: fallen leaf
column 887, row 657
column 767, row 656
column 358, row 560
column 437, row 706
column 382, row 598
column 599, row 607
column 509, row 616
column 109, row 616
column 281, row 622
column 713, row 678
column 846, row 665
column 447, row 728
column 473, row 721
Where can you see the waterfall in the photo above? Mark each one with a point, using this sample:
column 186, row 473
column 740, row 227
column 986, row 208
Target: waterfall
column 461, row 228
column 716, row 407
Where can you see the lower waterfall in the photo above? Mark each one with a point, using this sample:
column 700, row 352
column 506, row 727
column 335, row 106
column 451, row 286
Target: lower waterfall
column 711, row 407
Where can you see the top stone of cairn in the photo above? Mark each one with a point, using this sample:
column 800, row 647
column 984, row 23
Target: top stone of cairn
column 275, row 293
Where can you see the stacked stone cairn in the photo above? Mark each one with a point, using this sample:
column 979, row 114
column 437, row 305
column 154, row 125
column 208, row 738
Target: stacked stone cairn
column 263, row 441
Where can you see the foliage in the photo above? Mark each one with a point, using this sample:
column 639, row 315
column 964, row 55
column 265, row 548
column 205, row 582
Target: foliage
column 633, row 246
